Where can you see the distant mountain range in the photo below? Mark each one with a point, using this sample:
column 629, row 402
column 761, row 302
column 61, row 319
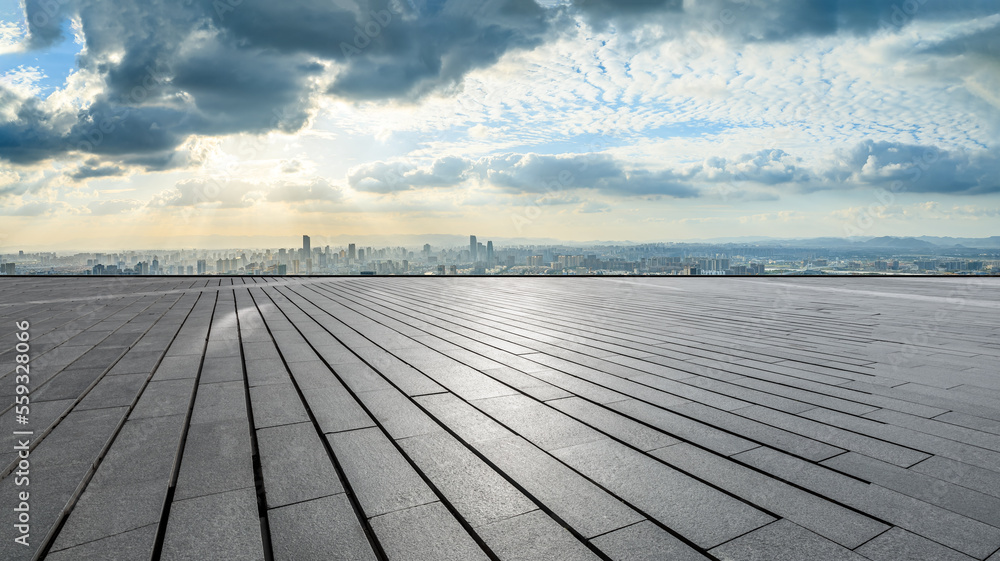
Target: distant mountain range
column 444, row 241
column 889, row 242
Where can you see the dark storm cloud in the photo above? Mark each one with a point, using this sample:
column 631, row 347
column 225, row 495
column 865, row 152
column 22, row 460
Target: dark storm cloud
column 917, row 169
column 93, row 169
column 775, row 20
column 213, row 67
column 523, row 173
column 171, row 69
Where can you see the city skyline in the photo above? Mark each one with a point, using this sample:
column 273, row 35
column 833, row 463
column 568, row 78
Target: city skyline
column 821, row 256
column 576, row 120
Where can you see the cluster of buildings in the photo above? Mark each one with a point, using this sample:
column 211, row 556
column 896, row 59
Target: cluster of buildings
column 478, row 258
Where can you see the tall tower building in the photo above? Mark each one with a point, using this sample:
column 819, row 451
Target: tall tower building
column 473, row 246
column 352, row 252
column 489, row 254
column 306, row 248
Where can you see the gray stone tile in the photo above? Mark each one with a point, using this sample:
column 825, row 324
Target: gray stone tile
column 217, row 458
column 645, row 541
column 187, row 345
column 471, row 424
column 296, row 465
column 99, row 357
column 397, row 414
column 836, row 436
column 408, row 379
column 222, row 369
column 335, row 410
column 545, row 426
column 682, row 427
column 967, row 502
column 587, row 508
column 264, row 372
column 219, row 402
column 324, row 529
column 576, row 386
column 113, row 391
column 68, row 384
column 704, row 515
column 480, row 494
column 834, row 522
column 425, row 532
column 897, row 544
column 959, row 532
column 531, row 536
column 162, row 399
column 220, row 526
column 783, row 541
column 136, row 362
column 612, row 423
column 178, row 367
column 788, row 441
column 127, row 546
column 526, row 383
column 465, row 381
column 130, row 484
column 223, row 347
column 379, row 475
column 312, row 374
column 982, row 480
column 905, row 437
column 276, row 405
column 78, row 438
column 58, row 465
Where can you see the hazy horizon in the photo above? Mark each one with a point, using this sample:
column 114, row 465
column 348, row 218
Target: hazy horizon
column 126, row 124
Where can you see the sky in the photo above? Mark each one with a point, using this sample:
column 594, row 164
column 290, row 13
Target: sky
column 128, row 123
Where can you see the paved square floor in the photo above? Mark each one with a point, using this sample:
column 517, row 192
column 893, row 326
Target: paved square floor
column 504, row 418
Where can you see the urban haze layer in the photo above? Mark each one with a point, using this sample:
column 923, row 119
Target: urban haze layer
column 820, row 256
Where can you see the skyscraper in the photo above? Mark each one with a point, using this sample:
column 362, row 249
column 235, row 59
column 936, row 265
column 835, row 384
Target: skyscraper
column 306, row 249
column 352, row 252
column 473, row 246
column 489, row 254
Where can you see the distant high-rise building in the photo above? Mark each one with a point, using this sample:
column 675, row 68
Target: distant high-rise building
column 352, row 252
column 361, row 255
column 8, row 268
column 190, row 270
column 427, row 250
column 489, row 254
column 202, row 267
column 473, row 246
column 306, row 248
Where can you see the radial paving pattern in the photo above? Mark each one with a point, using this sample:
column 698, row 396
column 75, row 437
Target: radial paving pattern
column 505, row 418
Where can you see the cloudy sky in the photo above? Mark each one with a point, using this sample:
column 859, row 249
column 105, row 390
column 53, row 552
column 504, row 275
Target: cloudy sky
column 126, row 121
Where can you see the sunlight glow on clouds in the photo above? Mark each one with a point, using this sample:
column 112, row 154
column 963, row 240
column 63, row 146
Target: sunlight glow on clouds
column 625, row 119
